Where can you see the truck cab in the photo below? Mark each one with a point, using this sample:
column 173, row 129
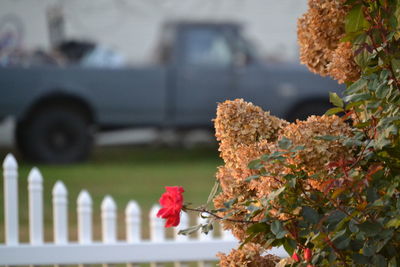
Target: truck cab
column 212, row 62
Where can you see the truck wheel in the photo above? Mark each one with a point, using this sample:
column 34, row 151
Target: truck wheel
column 56, row 135
column 303, row 111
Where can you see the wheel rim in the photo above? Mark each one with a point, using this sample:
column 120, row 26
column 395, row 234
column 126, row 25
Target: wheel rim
column 60, row 138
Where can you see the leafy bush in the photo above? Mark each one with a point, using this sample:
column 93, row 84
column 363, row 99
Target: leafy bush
column 326, row 189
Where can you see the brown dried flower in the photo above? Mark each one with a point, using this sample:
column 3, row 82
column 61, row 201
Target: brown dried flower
column 319, row 32
column 343, row 68
column 249, row 255
column 317, row 153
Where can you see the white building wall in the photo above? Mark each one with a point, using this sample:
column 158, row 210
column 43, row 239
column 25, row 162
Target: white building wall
column 132, row 26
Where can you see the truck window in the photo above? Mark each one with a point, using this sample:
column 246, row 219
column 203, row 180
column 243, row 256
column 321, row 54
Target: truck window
column 206, row 47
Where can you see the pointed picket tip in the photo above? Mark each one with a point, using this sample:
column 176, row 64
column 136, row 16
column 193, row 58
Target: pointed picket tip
column 35, row 176
column 108, row 203
column 132, row 209
column 59, row 189
column 202, row 218
column 10, row 162
column 84, row 198
column 154, row 210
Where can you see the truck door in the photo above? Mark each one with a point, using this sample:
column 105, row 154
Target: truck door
column 204, row 75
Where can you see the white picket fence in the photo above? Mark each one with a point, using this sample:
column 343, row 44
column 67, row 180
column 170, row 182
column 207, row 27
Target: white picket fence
column 109, row 250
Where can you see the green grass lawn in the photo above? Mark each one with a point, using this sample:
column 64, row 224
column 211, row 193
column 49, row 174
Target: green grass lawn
column 125, row 173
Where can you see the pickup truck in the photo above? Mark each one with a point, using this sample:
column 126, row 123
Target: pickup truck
column 58, row 109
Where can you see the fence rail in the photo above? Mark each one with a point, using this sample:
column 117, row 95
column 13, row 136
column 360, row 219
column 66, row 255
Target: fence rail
column 87, row 251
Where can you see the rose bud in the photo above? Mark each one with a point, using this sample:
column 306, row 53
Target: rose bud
column 307, row 254
column 296, row 257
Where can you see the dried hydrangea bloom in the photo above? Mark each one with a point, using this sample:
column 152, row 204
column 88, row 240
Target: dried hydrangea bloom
column 317, row 153
column 249, row 255
column 343, row 68
column 319, row 32
column 232, row 176
column 242, row 123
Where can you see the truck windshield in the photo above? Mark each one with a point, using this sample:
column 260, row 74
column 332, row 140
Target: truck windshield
column 206, row 47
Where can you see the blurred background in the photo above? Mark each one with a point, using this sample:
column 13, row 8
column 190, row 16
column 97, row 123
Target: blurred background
column 117, row 96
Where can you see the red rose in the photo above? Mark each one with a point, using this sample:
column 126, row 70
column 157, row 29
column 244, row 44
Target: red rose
column 307, row 254
column 295, row 257
column 171, row 202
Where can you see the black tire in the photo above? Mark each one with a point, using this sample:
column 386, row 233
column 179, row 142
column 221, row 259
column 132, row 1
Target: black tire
column 55, row 135
column 306, row 109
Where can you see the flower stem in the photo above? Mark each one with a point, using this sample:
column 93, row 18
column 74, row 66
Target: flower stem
column 203, row 210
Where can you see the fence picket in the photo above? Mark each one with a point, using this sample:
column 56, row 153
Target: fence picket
column 133, row 225
column 60, row 213
column 84, row 218
column 157, row 231
column 184, row 223
column 108, row 220
column 35, row 188
column 10, row 173
column 227, row 235
column 204, row 237
column 132, row 221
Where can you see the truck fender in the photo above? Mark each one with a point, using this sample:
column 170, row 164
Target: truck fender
column 59, row 97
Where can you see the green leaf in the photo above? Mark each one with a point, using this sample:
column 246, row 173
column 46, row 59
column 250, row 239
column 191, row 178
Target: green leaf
column 327, row 137
column 275, row 193
column 335, row 100
column 395, row 222
column 252, row 177
column 297, row 148
column 368, row 250
column 230, row 202
column 336, row 217
column 355, row 20
column 213, row 192
column 277, row 229
column 369, row 228
column 189, row 230
column 379, row 261
column 382, row 91
column 206, row 228
column 289, row 245
column 292, row 182
column 353, row 104
column 353, row 227
column 393, row 22
column 358, row 97
column 343, row 244
column 356, row 86
column 338, row 235
column 255, row 164
column 360, row 259
column 333, row 111
column 284, row 143
column 310, row 215
column 396, row 66
column 258, row 228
